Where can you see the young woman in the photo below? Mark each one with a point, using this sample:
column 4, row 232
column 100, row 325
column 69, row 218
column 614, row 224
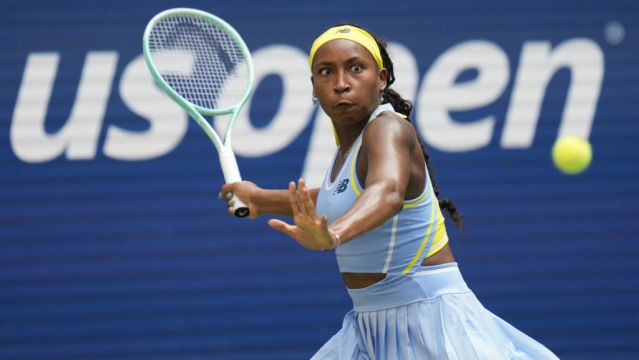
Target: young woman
column 378, row 209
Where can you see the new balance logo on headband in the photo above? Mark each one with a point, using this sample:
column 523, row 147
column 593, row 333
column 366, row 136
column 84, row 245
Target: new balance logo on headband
column 343, row 31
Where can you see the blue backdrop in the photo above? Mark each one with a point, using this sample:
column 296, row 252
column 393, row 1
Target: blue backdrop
column 113, row 244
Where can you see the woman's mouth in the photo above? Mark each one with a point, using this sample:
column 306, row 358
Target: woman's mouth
column 343, row 104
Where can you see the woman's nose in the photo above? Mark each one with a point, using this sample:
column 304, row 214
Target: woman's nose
column 341, row 83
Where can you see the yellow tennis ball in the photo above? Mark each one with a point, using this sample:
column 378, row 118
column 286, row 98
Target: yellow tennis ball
column 571, row 154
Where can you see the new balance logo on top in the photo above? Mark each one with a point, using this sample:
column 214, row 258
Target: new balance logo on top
column 341, row 187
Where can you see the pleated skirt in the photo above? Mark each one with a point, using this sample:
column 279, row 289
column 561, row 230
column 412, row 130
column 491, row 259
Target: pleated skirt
column 429, row 315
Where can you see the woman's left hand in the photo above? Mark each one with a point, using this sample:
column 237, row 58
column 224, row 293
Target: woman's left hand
column 310, row 231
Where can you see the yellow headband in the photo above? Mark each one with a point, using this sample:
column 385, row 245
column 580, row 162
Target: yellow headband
column 349, row 33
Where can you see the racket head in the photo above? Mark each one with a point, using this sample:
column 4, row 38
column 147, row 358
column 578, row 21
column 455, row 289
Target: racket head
column 199, row 59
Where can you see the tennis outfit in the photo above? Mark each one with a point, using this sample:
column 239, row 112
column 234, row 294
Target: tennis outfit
column 415, row 312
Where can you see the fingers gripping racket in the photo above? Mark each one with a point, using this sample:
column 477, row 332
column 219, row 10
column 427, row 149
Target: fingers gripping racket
column 203, row 64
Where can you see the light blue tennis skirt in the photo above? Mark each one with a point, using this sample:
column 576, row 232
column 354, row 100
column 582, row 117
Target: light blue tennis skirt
column 431, row 315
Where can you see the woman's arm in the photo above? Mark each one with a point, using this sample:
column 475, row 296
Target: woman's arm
column 386, row 156
column 262, row 201
column 385, row 162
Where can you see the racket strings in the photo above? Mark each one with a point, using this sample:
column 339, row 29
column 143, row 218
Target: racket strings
column 200, row 61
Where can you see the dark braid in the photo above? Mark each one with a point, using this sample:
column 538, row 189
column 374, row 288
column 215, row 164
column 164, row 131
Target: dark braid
column 405, row 107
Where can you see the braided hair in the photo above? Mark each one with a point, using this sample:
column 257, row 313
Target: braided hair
column 405, row 107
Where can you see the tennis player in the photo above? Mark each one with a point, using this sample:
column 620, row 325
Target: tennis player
column 378, row 209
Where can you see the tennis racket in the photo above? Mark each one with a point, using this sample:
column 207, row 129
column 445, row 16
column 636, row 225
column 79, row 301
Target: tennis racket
column 203, row 64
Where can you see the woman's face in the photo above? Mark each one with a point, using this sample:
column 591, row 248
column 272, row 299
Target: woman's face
column 346, row 81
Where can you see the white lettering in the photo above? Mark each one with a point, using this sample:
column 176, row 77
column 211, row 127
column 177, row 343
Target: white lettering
column 439, row 94
column 168, row 122
column 538, row 63
column 292, row 115
column 79, row 135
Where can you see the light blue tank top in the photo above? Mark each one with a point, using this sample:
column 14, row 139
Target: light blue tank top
column 400, row 244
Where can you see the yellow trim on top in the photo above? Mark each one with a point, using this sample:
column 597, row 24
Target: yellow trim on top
column 423, row 244
column 417, row 201
column 354, row 182
column 441, row 239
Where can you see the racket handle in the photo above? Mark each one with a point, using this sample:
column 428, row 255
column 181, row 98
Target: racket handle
column 232, row 174
column 239, row 208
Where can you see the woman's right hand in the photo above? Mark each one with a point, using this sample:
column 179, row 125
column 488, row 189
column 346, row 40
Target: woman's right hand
column 246, row 191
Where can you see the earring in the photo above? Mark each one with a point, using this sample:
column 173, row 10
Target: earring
column 315, row 99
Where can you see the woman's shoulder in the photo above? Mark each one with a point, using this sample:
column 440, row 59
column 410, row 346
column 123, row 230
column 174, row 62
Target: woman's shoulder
column 388, row 124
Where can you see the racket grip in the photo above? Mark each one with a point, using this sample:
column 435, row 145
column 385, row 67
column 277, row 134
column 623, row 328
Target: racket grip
column 232, row 174
column 239, row 208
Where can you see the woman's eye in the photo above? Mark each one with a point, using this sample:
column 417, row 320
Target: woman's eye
column 324, row 72
column 356, row 68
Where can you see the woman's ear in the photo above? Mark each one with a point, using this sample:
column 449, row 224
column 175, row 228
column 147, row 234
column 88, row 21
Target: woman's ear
column 315, row 99
column 383, row 79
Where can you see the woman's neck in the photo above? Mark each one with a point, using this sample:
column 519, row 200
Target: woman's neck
column 347, row 136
